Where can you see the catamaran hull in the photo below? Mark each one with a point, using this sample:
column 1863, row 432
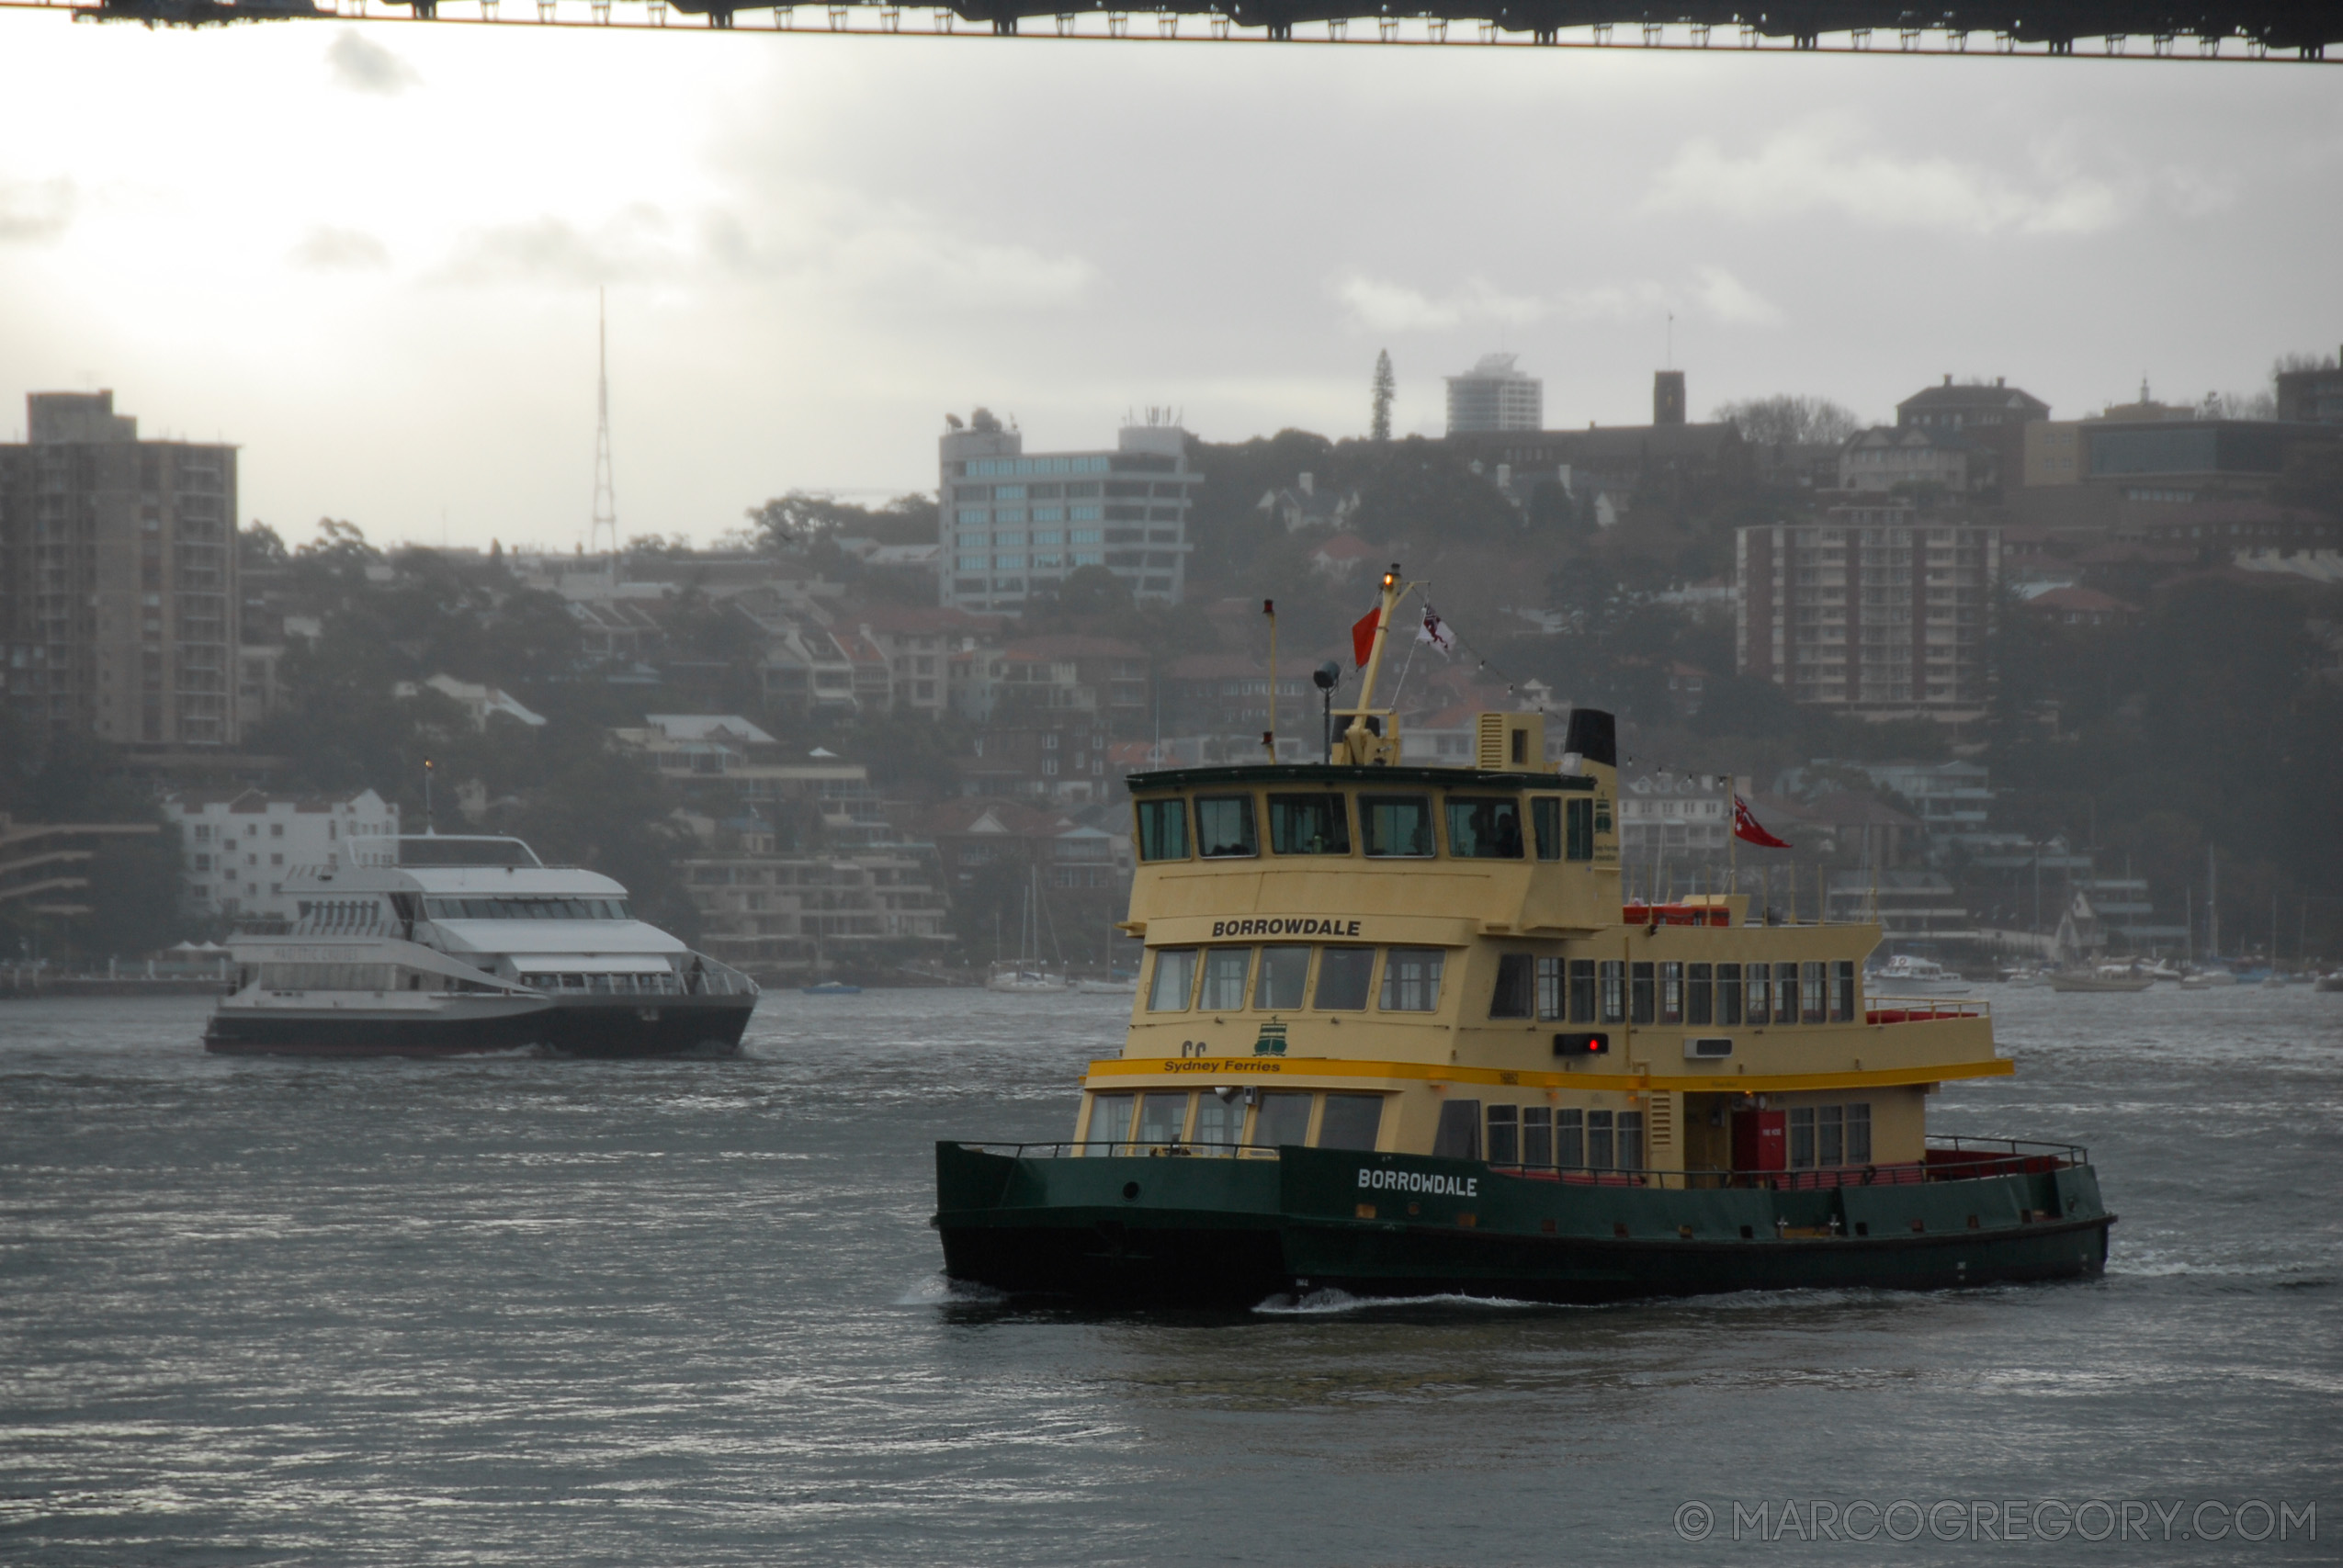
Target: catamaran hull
column 673, row 1027
column 1231, row 1232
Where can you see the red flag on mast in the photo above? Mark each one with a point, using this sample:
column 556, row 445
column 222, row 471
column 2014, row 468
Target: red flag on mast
column 1745, row 825
column 1362, row 635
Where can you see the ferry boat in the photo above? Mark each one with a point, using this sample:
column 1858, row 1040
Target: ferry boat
column 1905, row 974
column 442, row 945
column 1397, row 1036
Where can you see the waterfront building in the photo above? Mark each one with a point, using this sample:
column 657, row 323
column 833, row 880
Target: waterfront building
column 236, row 845
column 1016, row 524
column 118, row 579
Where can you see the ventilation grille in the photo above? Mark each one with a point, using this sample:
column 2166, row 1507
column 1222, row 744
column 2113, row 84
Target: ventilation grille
column 1492, row 741
column 1663, row 1121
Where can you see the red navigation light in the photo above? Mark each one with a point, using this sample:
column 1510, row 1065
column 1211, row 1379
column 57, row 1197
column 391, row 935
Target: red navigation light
column 1589, row 1044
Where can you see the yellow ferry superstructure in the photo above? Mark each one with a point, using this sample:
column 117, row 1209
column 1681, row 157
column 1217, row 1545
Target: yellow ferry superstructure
column 1430, row 970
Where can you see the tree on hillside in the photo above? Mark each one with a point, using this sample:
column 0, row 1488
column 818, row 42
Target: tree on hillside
column 1789, row 419
column 1379, row 429
column 803, row 518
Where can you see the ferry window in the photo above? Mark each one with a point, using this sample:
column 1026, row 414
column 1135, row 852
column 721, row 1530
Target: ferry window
column 1859, row 1133
column 1284, row 1118
column 1163, row 830
column 1504, row 1135
column 1163, row 1118
column 1545, row 815
column 1219, row 1122
column 1758, row 993
column 1729, row 992
column 1613, row 975
column 1582, row 990
column 1671, row 993
column 1537, row 1136
column 1351, row 1122
column 1631, row 1140
column 1343, row 976
column 1225, row 826
column 1224, row 979
column 1599, row 1140
column 1570, row 1139
column 1109, row 1123
column 1700, row 994
column 1396, row 824
column 1802, row 1137
column 1516, row 974
column 1481, row 827
column 1639, row 1009
column 1582, row 825
column 1411, row 980
column 1842, row 992
column 1283, row 969
column 1830, row 1135
column 1458, row 1134
column 1175, row 980
column 1810, row 991
column 1785, row 993
column 1550, row 988
column 1308, row 825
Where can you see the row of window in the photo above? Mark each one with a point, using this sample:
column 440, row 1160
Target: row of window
column 1016, row 516
column 1542, row 1137
column 1223, row 1121
column 1827, row 1136
column 1389, row 826
column 1052, row 561
column 1213, row 979
column 1016, row 539
column 1589, row 990
column 665, row 983
column 526, row 909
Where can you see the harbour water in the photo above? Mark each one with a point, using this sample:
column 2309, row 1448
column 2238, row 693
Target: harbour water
column 686, row 1312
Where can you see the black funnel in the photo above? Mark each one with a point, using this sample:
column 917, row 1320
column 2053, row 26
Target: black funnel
column 1594, row 736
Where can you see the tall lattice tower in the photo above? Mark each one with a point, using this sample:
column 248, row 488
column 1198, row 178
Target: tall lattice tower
column 606, row 499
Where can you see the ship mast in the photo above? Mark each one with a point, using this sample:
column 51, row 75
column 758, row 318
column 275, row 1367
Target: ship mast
column 1361, row 743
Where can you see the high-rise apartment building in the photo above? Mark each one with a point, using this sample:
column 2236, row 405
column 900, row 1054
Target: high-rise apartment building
column 1871, row 612
column 118, row 579
column 1014, row 523
column 1493, row 395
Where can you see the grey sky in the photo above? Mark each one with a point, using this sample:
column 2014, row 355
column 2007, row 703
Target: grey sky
column 370, row 256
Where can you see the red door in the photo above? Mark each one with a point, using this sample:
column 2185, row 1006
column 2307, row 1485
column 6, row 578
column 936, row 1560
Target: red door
column 1761, row 1140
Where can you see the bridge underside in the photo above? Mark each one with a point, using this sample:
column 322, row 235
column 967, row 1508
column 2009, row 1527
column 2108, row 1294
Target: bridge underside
column 2250, row 28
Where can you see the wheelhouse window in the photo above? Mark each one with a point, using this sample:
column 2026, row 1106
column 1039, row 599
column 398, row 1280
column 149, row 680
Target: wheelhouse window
column 1109, row 1123
column 1516, row 984
column 1759, row 992
column 1284, row 1117
column 1395, row 825
column 1175, row 980
column 1639, row 992
column 1552, row 988
column 1484, row 828
column 1225, row 827
column 1582, row 990
column 1545, row 815
column 1612, row 973
column 1812, row 1003
column 1283, row 970
column 1671, row 993
column 1351, row 1122
column 1842, row 991
column 1220, row 1120
column 1343, row 975
column 1308, row 825
column 1163, row 829
column 1728, row 994
column 1163, row 1118
column 1224, row 979
column 1412, row 979
column 1785, row 993
column 1580, row 835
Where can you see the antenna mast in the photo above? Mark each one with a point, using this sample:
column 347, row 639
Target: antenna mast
column 606, row 500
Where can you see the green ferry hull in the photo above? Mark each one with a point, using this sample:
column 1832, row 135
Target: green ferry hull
column 1176, row 1231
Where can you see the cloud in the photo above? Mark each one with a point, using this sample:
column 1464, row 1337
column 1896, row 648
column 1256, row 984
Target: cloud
column 894, row 254
column 340, row 249
column 1727, row 298
column 35, row 211
column 364, row 66
column 1382, row 306
column 1829, row 165
column 631, row 244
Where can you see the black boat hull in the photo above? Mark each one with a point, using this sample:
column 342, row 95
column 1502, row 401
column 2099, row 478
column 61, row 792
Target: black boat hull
column 1135, row 1231
column 675, row 1027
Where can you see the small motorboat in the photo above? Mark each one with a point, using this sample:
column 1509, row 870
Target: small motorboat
column 832, row 989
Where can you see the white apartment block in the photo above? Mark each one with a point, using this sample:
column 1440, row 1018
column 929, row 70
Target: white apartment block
column 1870, row 612
column 236, row 845
column 1013, row 524
column 1493, row 395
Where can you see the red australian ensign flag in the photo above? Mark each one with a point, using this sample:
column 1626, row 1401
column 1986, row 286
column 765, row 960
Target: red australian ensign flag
column 1362, row 635
column 1745, row 825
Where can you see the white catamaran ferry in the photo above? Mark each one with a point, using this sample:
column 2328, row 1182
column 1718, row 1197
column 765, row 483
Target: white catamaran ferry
column 436, row 945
